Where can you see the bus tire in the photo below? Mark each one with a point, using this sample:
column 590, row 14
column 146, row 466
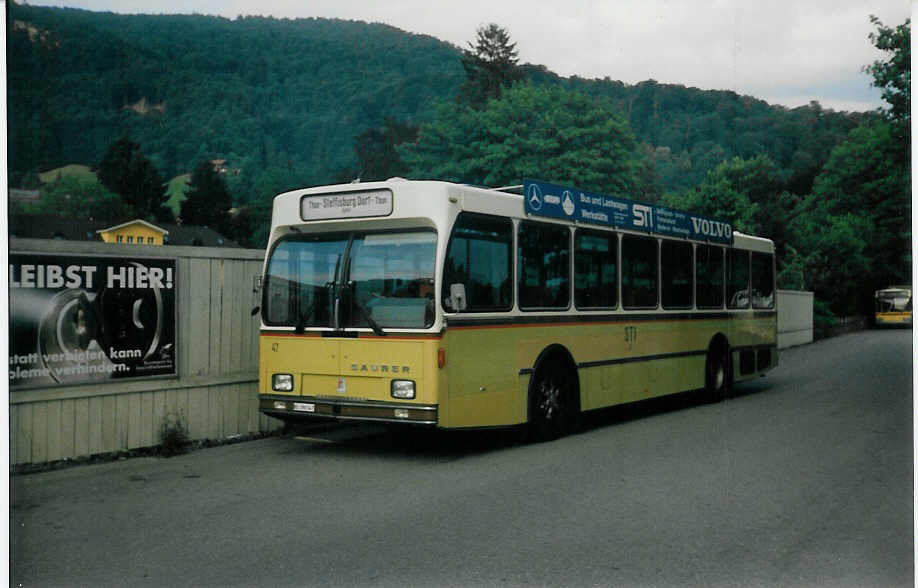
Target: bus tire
column 554, row 406
column 718, row 371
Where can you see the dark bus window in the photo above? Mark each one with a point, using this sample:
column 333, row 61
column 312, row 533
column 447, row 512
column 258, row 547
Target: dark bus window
column 479, row 258
column 544, row 265
column 639, row 272
column 763, row 284
column 737, row 278
column 595, row 269
column 676, row 274
column 709, row 276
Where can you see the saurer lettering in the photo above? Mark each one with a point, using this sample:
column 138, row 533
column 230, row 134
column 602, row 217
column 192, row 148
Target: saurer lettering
column 381, row 368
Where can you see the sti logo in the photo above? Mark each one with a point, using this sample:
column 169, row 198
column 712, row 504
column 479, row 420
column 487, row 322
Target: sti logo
column 642, row 216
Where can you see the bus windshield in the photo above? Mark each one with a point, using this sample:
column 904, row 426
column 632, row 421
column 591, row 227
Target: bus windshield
column 343, row 280
column 893, row 300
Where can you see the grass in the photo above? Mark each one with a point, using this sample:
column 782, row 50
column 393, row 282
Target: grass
column 74, row 169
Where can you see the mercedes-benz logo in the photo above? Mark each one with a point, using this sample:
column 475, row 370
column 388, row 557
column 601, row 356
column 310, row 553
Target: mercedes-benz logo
column 534, row 197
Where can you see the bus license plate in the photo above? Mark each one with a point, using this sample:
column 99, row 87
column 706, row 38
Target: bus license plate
column 304, row 407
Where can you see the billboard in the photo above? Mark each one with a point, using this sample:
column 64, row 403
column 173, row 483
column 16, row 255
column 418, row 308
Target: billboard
column 78, row 319
column 544, row 199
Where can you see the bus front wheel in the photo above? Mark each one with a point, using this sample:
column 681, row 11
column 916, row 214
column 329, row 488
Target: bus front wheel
column 552, row 409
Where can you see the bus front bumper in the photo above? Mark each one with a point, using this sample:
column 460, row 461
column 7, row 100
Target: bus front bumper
column 899, row 318
column 302, row 408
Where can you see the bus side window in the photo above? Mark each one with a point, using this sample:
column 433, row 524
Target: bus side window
column 478, row 258
column 737, row 278
column 544, row 262
column 676, row 264
column 763, row 285
column 595, row 269
column 639, row 272
column 709, row 276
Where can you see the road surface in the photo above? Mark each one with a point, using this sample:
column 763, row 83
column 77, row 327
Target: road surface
column 802, row 478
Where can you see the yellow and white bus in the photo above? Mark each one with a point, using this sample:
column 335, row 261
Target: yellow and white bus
column 433, row 303
column 893, row 306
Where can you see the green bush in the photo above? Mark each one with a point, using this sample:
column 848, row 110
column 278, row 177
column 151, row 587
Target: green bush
column 173, row 435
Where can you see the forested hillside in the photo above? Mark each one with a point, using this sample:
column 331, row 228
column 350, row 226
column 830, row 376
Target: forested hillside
column 250, row 107
column 254, row 91
column 262, row 92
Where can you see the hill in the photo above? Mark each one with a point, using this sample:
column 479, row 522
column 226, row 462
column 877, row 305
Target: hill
column 283, row 100
column 254, row 91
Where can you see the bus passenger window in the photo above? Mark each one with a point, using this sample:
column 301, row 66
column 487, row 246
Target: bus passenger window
column 595, row 269
column 639, row 272
column 478, row 258
column 763, row 285
column 737, row 279
column 544, row 262
column 676, row 271
column 709, row 276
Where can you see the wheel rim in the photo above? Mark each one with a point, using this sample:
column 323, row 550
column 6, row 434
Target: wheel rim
column 549, row 404
column 719, row 376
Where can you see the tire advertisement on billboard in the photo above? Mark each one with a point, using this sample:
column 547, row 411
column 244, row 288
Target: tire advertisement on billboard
column 90, row 319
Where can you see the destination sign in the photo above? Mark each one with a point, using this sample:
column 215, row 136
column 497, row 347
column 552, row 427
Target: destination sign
column 552, row 200
column 359, row 204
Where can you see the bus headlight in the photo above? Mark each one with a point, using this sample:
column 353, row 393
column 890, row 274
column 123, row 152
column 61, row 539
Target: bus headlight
column 282, row 382
column 403, row 389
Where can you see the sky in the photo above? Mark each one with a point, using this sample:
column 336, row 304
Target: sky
column 787, row 52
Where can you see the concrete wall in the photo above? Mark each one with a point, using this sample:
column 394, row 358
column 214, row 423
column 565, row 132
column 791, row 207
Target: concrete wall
column 217, row 363
column 795, row 318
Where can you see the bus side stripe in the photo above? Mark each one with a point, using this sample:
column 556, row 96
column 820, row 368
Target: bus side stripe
column 623, row 360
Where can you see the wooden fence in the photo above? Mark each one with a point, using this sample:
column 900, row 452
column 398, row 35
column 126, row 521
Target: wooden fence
column 216, row 353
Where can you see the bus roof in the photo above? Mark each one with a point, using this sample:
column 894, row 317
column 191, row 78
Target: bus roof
column 340, row 202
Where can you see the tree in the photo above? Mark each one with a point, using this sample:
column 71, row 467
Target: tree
column 865, row 177
column 77, row 197
column 852, row 234
column 745, row 191
column 893, row 77
column 832, row 253
column 377, row 157
column 208, row 201
column 490, row 66
column 128, row 173
column 717, row 198
column 534, row 132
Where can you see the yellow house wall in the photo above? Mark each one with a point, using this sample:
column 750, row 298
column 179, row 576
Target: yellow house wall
column 137, row 231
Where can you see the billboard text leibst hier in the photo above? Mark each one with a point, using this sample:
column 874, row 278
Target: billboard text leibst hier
column 89, row 319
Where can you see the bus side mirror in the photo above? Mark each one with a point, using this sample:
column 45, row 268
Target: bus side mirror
column 456, row 300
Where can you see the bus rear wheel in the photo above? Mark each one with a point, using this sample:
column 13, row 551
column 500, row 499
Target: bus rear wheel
column 717, row 373
column 552, row 413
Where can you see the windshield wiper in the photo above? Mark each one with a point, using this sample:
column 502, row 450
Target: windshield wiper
column 363, row 311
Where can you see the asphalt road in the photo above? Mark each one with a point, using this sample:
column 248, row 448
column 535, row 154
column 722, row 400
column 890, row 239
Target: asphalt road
column 802, row 478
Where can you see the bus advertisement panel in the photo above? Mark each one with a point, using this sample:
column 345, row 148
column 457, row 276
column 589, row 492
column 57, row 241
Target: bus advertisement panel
column 552, row 200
